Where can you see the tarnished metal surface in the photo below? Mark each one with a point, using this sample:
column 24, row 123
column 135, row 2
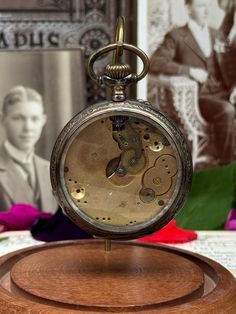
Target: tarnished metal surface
column 121, row 169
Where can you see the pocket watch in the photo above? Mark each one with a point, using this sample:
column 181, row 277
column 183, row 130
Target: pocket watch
column 120, row 169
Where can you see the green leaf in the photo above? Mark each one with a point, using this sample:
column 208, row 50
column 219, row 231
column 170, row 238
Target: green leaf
column 211, row 197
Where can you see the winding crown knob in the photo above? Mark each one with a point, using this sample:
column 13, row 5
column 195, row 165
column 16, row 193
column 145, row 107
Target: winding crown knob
column 118, row 71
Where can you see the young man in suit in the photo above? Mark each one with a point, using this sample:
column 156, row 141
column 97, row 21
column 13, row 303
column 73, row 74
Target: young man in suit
column 190, row 51
column 24, row 176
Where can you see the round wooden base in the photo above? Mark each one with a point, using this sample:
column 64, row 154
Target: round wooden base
column 80, row 277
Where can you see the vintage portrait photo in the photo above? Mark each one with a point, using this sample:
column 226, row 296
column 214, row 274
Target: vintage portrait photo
column 40, row 92
column 192, row 50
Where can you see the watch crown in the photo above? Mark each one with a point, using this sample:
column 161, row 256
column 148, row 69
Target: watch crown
column 117, row 71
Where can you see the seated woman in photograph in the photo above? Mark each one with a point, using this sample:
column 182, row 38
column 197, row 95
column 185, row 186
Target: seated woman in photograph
column 24, row 176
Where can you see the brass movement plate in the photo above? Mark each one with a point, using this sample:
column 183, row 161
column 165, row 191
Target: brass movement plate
column 120, row 169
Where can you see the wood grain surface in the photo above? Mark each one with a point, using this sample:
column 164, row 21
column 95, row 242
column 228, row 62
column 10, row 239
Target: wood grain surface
column 80, row 277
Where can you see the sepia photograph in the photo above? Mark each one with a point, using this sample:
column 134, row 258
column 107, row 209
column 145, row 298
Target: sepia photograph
column 40, row 92
column 192, row 49
column 192, row 78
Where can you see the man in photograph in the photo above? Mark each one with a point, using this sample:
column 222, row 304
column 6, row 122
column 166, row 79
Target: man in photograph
column 191, row 51
column 24, row 176
column 228, row 27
